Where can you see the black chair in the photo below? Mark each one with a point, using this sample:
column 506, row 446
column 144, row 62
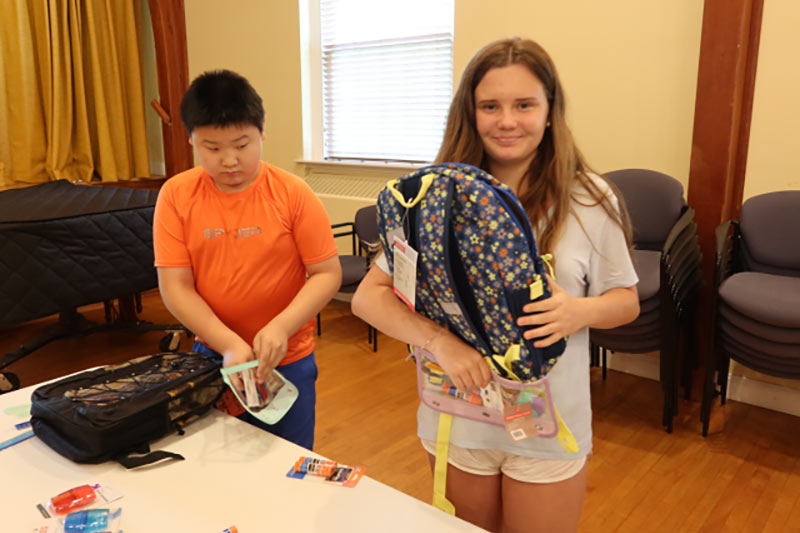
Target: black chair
column 363, row 232
column 667, row 260
column 756, row 299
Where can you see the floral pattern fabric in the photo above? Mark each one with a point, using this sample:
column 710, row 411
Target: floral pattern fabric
column 476, row 250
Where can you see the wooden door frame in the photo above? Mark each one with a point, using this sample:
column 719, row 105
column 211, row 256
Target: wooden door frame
column 721, row 135
column 172, row 68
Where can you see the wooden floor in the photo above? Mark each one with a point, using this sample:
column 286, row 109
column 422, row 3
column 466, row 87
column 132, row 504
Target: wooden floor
column 744, row 477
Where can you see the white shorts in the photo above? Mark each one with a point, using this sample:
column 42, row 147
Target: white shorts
column 519, row 467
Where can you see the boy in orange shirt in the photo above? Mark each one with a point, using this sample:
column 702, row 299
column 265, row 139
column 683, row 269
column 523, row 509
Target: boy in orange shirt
column 244, row 250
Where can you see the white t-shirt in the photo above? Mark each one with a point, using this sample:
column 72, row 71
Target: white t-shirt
column 591, row 258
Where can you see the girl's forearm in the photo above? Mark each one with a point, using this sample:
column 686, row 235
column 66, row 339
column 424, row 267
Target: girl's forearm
column 376, row 303
column 612, row 308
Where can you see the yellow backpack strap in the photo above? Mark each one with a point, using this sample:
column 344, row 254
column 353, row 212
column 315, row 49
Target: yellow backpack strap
column 548, row 258
column 511, row 356
column 440, row 466
column 427, row 180
column 537, row 287
column 565, row 436
column 503, row 361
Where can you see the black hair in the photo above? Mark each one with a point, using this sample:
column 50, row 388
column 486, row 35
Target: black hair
column 221, row 98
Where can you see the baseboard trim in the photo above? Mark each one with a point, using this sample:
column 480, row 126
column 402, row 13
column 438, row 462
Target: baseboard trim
column 643, row 365
column 763, row 394
column 740, row 388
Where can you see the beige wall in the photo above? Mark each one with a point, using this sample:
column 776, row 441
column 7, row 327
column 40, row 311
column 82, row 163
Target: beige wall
column 261, row 41
column 773, row 161
column 629, row 67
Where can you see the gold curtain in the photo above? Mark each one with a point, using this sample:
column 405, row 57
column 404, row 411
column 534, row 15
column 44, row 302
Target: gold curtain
column 73, row 99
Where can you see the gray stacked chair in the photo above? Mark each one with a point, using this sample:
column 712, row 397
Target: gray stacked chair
column 667, row 258
column 756, row 299
column 363, row 232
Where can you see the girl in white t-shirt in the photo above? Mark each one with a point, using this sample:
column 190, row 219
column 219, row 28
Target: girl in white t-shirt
column 508, row 118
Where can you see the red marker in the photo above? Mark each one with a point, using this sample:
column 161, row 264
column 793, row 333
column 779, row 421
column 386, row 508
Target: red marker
column 72, row 498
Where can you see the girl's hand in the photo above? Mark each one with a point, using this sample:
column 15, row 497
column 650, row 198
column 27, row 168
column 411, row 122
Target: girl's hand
column 557, row 317
column 464, row 365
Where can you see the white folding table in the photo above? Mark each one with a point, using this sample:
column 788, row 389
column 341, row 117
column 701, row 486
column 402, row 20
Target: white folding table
column 233, row 474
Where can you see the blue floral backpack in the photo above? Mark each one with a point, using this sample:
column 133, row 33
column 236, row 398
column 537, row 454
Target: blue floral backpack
column 478, row 262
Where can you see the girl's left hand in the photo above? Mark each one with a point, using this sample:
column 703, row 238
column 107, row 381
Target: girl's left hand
column 557, row 317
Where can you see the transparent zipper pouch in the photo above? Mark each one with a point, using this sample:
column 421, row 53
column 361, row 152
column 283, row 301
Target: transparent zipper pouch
column 525, row 409
column 269, row 400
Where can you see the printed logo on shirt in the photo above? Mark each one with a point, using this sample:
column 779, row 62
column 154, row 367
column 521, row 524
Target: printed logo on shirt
column 240, row 233
column 213, row 233
column 243, row 233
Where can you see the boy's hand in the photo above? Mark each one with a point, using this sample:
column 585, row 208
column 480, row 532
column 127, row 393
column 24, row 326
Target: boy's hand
column 269, row 345
column 234, row 355
column 463, row 364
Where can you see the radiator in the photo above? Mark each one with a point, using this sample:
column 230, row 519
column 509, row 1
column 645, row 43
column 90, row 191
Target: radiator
column 343, row 195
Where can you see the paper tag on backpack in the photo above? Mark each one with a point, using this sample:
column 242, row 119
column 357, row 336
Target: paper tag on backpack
column 396, row 233
column 405, row 271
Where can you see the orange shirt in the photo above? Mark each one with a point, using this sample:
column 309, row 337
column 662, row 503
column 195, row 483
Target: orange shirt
column 247, row 250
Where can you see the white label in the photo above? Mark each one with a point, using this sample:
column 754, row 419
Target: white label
column 108, row 493
column 396, row 233
column 491, row 396
column 451, row 308
column 405, row 272
column 518, row 434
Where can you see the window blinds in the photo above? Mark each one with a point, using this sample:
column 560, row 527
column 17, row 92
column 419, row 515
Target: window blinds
column 387, row 70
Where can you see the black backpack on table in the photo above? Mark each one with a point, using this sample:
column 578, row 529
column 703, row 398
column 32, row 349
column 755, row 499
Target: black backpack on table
column 114, row 411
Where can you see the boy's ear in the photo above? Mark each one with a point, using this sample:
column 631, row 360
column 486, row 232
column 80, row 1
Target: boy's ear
column 264, row 129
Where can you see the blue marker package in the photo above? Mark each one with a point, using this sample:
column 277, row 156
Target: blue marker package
column 93, row 521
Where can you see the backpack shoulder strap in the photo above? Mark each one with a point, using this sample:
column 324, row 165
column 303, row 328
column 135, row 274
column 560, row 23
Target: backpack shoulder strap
column 131, row 461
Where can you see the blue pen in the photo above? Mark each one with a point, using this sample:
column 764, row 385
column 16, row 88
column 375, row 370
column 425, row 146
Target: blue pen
column 16, row 440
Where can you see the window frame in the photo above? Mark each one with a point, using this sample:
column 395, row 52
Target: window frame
column 312, row 98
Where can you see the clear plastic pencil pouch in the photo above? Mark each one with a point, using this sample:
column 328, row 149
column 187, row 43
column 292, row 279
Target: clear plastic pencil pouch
column 269, row 400
column 525, row 409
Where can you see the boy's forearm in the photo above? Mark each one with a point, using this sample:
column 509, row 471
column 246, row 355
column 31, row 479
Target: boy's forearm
column 315, row 294
column 194, row 313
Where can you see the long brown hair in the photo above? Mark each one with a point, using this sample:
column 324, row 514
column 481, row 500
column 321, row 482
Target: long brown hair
column 558, row 162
